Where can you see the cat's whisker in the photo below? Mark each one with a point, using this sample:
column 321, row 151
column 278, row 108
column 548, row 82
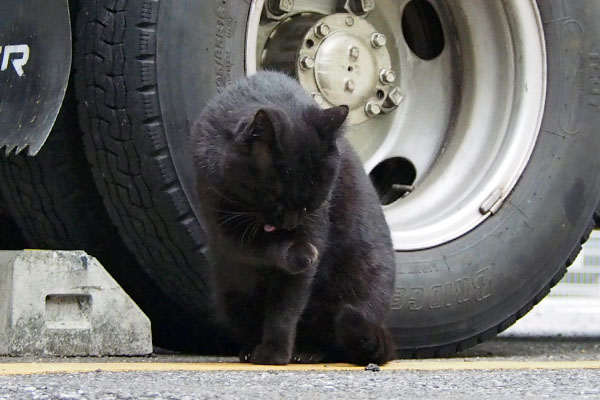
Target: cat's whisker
column 257, row 226
column 313, row 217
column 326, row 206
column 247, row 222
column 220, row 211
column 230, row 199
column 232, row 222
column 234, row 215
column 231, row 218
column 244, row 235
column 240, row 224
column 253, row 229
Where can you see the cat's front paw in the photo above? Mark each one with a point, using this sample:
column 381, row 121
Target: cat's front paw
column 308, row 357
column 245, row 353
column 270, row 354
column 301, row 257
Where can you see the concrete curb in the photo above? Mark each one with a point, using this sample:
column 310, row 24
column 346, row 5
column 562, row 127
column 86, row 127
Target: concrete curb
column 64, row 303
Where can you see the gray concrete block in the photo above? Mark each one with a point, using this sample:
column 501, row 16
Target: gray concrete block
column 64, row 303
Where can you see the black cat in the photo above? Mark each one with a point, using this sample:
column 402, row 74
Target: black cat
column 301, row 258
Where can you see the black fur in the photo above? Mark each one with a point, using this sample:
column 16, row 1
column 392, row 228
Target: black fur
column 301, row 257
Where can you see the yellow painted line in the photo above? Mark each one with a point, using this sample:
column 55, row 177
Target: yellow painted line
column 410, row 365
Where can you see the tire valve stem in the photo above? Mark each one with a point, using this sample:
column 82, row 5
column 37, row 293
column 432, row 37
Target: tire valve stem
column 492, row 203
column 397, row 187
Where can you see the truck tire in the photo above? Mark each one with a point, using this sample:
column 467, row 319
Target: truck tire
column 52, row 197
column 10, row 234
column 476, row 121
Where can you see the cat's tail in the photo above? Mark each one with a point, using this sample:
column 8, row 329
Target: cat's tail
column 361, row 341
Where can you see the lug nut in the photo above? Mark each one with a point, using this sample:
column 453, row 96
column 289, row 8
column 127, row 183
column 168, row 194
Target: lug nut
column 378, row 40
column 349, row 86
column 307, row 62
column 387, row 76
column 372, row 109
column 354, row 53
column 280, row 7
column 322, row 30
column 317, row 97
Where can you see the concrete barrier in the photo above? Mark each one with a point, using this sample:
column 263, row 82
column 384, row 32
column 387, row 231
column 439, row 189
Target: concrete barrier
column 64, row 303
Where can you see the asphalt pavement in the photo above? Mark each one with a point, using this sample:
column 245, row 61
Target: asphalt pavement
column 563, row 384
column 553, row 352
column 507, row 367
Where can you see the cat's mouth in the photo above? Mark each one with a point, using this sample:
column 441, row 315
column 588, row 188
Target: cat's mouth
column 270, row 228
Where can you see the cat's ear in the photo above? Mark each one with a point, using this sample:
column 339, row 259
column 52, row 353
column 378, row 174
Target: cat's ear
column 330, row 121
column 258, row 137
column 261, row 128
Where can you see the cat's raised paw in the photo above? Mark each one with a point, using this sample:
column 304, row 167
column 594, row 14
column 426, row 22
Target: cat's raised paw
column 301, row 257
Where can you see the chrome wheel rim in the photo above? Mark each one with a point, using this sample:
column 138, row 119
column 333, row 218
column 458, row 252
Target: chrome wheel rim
column 447, row 136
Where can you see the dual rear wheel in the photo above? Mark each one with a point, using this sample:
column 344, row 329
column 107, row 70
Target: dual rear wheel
column 475, row 120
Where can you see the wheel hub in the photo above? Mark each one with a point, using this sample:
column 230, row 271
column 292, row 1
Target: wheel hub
column 343, row 61
column 468, row 80
column 342, row 78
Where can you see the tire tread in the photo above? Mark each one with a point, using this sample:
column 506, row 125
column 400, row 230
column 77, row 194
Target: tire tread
column 125, row 142
column 53, row 199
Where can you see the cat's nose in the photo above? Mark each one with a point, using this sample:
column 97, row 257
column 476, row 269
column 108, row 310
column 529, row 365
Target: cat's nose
column 290, row 220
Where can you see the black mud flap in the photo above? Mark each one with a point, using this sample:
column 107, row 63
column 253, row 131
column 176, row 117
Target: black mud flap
column 35, row 61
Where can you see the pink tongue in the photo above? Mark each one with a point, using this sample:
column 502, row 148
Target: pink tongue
column 270, row 228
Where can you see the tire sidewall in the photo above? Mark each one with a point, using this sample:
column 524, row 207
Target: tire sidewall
column 193, row 66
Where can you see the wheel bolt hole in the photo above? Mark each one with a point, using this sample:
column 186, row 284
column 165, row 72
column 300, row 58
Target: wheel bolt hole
column 393, row 178
column 380, row 94
column 422, row 29
column 310, row 43
column 350, row 68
